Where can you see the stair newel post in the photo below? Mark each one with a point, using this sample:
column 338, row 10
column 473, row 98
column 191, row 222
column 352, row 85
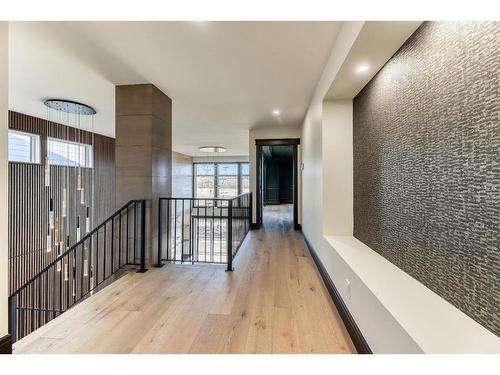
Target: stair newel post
column 143, row 237
column 160, row 232
column 229, row 235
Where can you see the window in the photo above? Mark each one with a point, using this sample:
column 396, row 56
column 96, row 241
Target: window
column 204, row 180
column 220, row 180
column 69, row 154
column 244, row 178
column 24, row 147
column 227, row 180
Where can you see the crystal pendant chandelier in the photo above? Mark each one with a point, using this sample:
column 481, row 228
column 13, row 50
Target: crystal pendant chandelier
column 68, row 175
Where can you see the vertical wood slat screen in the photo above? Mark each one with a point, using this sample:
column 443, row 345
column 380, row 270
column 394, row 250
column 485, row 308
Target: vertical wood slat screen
column 28, row 196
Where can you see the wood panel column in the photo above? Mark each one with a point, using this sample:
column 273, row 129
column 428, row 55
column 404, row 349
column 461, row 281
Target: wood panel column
column 144, row 152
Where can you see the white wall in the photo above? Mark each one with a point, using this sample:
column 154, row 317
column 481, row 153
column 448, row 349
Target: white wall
column 327, row 190
column 3, row 178
column 270, row 132
column 312, row 136
column 337, row 165
column 395, row 313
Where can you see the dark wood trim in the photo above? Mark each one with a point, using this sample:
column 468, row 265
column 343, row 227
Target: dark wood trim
column 277, row 142
column 253, row 226
column 6, row 344
column 258, row 191
column 356, row 336
column 259, row 143
column 295, row 189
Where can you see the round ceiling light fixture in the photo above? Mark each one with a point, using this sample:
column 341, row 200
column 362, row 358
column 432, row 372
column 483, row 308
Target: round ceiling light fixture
column 213, row 149
column 69, row 106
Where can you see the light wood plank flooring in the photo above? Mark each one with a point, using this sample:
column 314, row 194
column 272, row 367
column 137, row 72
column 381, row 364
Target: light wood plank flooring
column 274, row 302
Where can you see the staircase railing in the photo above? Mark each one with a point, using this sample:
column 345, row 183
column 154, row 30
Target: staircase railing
column 199, row 230
column 82, row 269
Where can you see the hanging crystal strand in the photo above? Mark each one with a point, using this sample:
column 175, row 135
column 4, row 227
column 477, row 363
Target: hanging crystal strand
column 66, row 183
column 51, row 213
column 91, row 279
column 63, row 207
column 78, row 228
column 82, row 195
column 87, row 220
column 74, row 274
column 63, row 202
column 60, row 220
column 46, row 164
column 66, row 271
column 85, row 261
column 49, row 240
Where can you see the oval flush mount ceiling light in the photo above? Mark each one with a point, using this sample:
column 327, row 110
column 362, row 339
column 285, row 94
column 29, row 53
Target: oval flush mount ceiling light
column 276, row 112
column 213, row 149
column 70, row 106
column 362, row 68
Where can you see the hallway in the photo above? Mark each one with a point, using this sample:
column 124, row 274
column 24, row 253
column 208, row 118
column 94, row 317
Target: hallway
column 273, row 302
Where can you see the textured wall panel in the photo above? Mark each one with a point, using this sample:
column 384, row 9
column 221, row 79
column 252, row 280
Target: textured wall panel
column 28, row 197
column 427, row 164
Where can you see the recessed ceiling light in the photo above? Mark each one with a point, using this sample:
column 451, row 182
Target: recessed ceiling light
column 362, row 68
column 213, row 149
column 276, row 112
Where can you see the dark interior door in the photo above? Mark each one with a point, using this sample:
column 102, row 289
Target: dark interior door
column 285, row 178
column 271, row 182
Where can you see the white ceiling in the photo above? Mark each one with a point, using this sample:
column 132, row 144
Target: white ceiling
column 375, row 44
column 224, row 77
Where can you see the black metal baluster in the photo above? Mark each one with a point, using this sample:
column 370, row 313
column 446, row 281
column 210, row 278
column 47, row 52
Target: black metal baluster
column 54, row 288
column 96, row 276
column 46, row 289
column 229, row 235
column 160, row 232
column 89, row 266
column 128, row 234
column 205, row 219
column 191, row 230
column 175, row 230
column 135, row 232
column 104, row 252
column 39, row 302
column 168, row 228
column 112, row 249
column 220, row 230
column 143, row 237
column 212, row 232
column 120, row 239
column 61, row 272
column 82, row 265
column 182, row 232
column 32, row 315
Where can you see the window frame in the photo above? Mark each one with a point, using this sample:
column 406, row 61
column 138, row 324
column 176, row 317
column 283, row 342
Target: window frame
column 89, row 151
column 35, row 147
column 216, row 174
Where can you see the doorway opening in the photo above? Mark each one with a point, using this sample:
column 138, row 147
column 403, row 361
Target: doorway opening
column 277, row 181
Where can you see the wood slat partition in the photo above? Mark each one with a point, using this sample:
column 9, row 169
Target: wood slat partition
column 28, row 196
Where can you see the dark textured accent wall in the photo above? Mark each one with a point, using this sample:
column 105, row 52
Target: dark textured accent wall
column 427, row 164
column 28, row 211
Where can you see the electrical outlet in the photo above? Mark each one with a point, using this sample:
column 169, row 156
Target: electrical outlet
column 348, row 288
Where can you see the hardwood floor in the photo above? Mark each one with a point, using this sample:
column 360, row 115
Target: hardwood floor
column 273, row 302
